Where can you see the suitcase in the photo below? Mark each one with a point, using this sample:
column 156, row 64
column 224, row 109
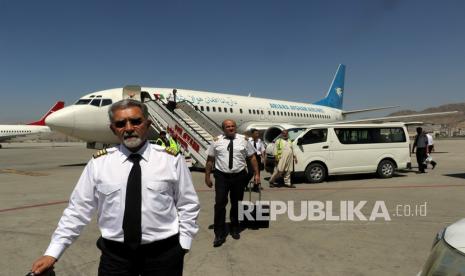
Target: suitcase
column 260, row 222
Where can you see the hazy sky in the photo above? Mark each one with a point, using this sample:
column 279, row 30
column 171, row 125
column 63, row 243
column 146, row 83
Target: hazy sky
column 408, row 53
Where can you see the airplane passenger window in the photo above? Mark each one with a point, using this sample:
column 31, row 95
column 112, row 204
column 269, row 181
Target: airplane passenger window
column 269, row 113
column 250, row 112
column 95, row 102
column 240, row 110
column 262, row 112
column 219, row 109
column 106, row 102
column 225, row 110
column 82, row 101
column 253, row 111
column 231, row 110
column 214, row 109
column 208, row 108
column 201, row 108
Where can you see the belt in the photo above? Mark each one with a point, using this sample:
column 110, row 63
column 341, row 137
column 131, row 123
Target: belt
column 230, row 175
column 160, row 244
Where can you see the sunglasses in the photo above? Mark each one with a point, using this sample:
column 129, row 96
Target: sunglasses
column 122, row 123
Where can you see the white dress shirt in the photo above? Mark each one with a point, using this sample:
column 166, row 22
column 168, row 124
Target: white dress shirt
column 241, row 150
column 430, row 139
column 169, row 202
column 260, row 147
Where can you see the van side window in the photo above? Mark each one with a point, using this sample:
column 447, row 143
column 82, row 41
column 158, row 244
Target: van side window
column 370, row 135
column 315, row 136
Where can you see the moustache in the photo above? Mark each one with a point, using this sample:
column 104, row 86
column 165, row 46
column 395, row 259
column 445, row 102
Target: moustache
column 128, row 135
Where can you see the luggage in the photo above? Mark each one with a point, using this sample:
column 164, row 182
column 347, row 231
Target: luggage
column 250, row 220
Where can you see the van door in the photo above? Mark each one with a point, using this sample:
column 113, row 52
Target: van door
column 312, row 146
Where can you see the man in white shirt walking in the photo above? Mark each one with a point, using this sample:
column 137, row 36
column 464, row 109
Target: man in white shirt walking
column 259, row 147
column 144, row 198
column 430, row 149
column 229, row 153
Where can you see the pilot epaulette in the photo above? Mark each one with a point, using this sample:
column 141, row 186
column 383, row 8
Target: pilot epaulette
column 171, row 151
column 100, row 153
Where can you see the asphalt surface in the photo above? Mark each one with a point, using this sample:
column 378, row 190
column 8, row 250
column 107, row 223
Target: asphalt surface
column 36, row 180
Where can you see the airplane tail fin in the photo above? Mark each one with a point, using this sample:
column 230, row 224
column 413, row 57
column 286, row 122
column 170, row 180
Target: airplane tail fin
column 58, row 105
column 335, row 93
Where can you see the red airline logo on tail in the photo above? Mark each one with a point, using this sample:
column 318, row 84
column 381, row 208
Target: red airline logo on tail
column 58, row 105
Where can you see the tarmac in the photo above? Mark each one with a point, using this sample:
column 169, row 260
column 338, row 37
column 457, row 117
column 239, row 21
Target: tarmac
column 36, row 180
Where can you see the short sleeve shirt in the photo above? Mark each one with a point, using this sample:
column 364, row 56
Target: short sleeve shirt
column 241, row 150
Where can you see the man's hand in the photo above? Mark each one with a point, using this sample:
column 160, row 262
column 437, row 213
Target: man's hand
column 42, row 264
column 208, row 182
column 257, row 179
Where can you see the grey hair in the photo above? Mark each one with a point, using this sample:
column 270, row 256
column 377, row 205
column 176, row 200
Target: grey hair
column 127, row 103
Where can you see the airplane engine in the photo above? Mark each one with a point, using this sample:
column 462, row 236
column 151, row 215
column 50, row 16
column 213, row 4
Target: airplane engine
column 272, row 132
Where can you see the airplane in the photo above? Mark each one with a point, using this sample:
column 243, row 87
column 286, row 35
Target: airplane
column 11, row 131
column 87, row 119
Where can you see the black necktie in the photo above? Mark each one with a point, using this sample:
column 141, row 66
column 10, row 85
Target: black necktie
column 231, row 151
column 132, row 213
column 255, row 144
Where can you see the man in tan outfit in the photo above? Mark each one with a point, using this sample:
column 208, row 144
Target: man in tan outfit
column 284, row 156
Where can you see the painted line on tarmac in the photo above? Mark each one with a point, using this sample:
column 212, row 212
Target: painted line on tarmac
column 33, row 206
column 283, row 189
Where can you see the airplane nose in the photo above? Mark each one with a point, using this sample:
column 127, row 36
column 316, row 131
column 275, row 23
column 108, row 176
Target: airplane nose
column 62, row 120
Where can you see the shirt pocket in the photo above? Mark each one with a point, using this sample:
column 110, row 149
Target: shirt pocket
column 159, row 195
column 109, row 196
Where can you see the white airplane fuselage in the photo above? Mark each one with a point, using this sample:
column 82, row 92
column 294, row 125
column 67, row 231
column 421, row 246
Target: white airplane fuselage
column 11, row 131
column 90, row 122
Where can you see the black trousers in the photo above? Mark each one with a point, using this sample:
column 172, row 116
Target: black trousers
column 232, row 184
column 421, row 157
column 160, row 258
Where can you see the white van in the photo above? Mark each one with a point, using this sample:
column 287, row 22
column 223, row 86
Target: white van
column 334, row 149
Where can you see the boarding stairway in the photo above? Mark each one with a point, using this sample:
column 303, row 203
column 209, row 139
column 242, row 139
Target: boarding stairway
column 192, row 128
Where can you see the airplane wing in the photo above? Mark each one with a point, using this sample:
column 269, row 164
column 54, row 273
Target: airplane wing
column 368, row 109
column 397, row 118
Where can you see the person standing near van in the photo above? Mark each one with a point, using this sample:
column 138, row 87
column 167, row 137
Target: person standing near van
column 421, row 143
column 284, row 156
column 430, row 149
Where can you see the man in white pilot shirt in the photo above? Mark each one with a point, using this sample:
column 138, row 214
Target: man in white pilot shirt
column 145, row 201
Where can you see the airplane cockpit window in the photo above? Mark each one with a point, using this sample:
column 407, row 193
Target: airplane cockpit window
column 95, row 102
column 82, row 101
column 106, row 102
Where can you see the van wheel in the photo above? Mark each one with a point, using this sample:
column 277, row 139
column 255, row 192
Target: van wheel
column 315, row 173
column 386, row 169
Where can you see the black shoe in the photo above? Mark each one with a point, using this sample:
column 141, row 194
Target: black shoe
column 292, row 186
column 272, row 185
column 219, row 240
column 434, row 165
column 235, row 234
column 255, row 189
